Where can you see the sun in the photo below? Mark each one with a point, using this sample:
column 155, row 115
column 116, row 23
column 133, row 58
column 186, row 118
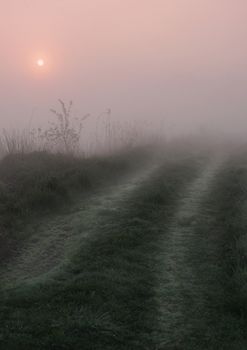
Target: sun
column 40, row 62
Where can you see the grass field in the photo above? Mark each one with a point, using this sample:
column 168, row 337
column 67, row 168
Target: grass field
column 137, row 251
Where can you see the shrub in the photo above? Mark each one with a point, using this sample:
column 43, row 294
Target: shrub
column 64, row 133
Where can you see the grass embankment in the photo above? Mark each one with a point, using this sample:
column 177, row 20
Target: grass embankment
column 40, row 183
column 105, row 298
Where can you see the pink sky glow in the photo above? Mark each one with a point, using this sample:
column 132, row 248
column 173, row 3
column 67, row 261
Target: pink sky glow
column 180, row 61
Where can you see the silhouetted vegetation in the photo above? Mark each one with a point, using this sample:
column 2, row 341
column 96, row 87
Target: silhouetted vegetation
column 64, row 134
column 70, row 134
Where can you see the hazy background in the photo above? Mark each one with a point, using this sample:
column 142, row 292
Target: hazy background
column 177, row 62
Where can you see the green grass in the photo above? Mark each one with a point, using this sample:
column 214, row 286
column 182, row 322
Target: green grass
column 215, row 305
column 231, row 224
column 40, row 183
column 105, row 295
column 105, row 298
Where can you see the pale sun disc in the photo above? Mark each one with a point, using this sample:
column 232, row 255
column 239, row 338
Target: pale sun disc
column 40, row 62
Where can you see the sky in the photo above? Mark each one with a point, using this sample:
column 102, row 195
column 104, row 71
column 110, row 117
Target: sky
column 181, row 63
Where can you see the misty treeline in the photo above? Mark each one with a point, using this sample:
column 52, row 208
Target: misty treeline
column 70, row 134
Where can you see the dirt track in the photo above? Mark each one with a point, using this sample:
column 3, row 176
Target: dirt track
column 143, row 265
column 178, row 283
column 52, row 240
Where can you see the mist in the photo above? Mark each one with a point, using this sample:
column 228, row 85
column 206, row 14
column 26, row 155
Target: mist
column 175, row 63
column 123, row 174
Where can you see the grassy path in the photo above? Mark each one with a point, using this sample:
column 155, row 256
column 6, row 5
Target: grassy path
column 54, row 239
column 178, row 288
column 201, row 276
column 158, row 264
column 104, row 297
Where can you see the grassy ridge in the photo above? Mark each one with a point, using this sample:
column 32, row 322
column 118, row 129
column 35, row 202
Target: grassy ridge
column 105, row 298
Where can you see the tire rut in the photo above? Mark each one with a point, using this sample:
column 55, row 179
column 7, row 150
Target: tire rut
column 178, row 289
column 53, row 241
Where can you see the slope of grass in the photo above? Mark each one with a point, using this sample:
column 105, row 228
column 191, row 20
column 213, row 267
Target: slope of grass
column 105, row 298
